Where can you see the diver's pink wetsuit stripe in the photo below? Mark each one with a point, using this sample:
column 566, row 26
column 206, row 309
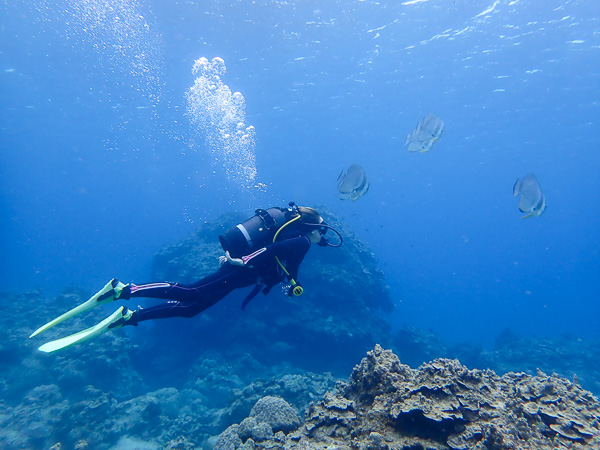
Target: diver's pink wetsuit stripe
column 252, row 255
column 141, row 287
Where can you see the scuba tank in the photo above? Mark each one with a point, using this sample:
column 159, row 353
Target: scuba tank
column 256, row 232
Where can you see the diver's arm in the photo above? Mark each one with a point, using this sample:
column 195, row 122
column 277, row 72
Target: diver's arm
column 291, row 250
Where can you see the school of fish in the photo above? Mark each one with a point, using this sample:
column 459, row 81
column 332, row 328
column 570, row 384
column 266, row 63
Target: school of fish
column 353, row 183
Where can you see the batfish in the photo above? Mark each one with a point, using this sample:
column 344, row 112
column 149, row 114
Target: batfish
column 532, row 199
column 427, row 133
column 353, row 184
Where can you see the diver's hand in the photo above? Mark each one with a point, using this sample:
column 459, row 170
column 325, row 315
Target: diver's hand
column 234, row 261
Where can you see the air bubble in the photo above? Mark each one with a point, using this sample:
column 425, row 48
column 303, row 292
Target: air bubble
column 219, row 116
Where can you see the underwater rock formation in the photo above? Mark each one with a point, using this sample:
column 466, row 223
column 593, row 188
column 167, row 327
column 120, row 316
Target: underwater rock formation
column 415, row 346
column 166, row 418
column 298, row 390
column 270, row 417
column 440, row 405
column 179, row 383
column 275, row 412
column 568, row 356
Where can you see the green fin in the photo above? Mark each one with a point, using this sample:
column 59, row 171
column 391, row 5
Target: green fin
column 105, row 295
column 122, row 314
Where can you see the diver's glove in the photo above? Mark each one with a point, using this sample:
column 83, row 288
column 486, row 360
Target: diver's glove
column 230, row 260
column 244, row 260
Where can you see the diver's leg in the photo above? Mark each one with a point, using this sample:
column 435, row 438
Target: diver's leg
column 187, row 300
column 221, row 283
column 168, row 310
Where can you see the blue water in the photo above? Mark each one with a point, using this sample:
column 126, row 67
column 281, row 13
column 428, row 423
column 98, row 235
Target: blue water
column 100, row 166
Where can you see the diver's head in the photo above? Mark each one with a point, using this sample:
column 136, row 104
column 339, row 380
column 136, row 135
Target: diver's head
column 311, row 224
column 309, row 216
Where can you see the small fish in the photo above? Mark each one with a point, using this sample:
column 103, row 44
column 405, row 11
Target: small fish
column 532, row 201
column 427, row 133
column 353, row 184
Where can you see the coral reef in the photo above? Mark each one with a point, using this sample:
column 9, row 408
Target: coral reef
column 166, row 418
column 414, row 346
column 271, row 418
column 568, row 356
column 178, row 384
column 440, row 405
column 275, row 412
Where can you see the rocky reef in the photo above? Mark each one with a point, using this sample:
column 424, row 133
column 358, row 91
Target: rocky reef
column 50, row 415
column 262, row 374
column 442, row 404
column 568, row 356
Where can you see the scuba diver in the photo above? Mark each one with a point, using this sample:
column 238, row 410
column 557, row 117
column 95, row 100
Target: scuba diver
column 262, row 251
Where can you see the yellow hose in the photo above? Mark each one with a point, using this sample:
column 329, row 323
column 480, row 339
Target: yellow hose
column 296, row 288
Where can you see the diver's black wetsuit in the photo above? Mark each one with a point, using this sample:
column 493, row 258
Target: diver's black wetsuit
column 189, row 300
